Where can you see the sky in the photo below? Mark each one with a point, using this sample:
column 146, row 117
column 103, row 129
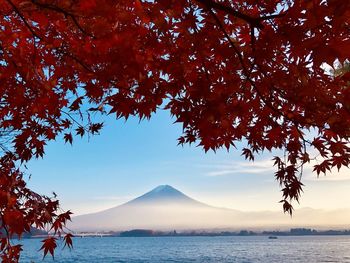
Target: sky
column 130, row 158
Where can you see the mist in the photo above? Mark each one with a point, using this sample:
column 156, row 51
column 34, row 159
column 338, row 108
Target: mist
column 165, row 208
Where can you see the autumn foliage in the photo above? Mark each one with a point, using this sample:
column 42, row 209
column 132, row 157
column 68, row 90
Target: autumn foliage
column 253, row 71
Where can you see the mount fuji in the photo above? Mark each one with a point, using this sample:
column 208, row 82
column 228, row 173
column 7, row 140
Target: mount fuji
column 164, row 194
column 166, row 208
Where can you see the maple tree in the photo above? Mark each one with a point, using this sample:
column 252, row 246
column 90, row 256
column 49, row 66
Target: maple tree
column 229, row 71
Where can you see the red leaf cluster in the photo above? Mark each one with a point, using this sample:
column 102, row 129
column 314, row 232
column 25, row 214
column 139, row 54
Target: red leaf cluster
column 21, row 209
column 257, row 71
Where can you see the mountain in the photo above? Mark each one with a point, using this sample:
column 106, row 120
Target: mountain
column 166, row 208
column 164, row 194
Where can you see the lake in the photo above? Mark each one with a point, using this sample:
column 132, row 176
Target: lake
column 238, row 249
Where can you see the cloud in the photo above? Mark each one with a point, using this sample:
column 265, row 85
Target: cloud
column 257, row 167
column 265, row 166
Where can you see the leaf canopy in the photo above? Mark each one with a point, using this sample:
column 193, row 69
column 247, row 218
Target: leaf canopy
column 257, row 71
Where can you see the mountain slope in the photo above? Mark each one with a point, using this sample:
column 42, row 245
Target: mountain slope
column 162, row 208
column 164, row 194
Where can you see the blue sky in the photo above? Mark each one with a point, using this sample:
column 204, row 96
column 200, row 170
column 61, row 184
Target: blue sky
column 129, row 158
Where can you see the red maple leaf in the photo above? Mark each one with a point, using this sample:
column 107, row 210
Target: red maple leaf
column 49, row 246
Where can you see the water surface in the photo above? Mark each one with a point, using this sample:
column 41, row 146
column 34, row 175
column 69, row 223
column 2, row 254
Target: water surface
column 197, row 249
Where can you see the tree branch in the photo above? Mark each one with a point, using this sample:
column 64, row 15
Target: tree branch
column 255, row 22
column 64, row 12
column 23, row 19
